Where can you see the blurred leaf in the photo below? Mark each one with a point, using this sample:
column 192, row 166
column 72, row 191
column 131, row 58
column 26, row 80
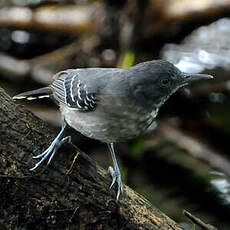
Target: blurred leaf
column 139, row 147
column 128, row 60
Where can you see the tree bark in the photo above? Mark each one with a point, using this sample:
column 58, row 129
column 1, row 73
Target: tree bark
column 56, row 198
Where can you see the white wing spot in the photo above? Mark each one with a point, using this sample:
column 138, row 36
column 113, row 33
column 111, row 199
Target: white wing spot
column 72, row 88
column 78, row 104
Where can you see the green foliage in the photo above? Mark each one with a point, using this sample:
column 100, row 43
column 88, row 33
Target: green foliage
column 139, row 147
column 128, row 60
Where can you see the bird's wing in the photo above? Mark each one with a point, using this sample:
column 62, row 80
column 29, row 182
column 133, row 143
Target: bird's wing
column 79, row 88
column 68, row 89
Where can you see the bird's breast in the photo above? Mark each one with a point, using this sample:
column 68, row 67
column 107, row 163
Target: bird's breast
column 109, row 126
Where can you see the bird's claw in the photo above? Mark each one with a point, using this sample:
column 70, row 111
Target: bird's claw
column 50, row 152
column 65, row 140
column 116, row 177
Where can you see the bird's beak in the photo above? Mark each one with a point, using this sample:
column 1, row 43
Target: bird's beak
column 194, row 77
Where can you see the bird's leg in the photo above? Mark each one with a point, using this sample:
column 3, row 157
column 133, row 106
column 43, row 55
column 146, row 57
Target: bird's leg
column 115, row 172
column 52, row 149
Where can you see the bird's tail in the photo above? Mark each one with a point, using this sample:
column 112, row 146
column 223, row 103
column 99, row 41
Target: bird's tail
column 34, row 94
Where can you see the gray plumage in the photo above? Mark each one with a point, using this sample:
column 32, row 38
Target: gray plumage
column 112, row 105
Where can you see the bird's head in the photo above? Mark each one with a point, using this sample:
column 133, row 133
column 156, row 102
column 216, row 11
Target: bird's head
column 155, row 81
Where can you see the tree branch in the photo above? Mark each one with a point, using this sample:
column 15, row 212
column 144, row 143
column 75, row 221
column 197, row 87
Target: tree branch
column 198, row 221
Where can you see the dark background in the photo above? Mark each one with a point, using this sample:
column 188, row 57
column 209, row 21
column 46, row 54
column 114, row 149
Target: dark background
column 185, row 163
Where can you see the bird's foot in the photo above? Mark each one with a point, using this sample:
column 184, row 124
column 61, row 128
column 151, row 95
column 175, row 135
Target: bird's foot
column 50, row 152
column 116, row 177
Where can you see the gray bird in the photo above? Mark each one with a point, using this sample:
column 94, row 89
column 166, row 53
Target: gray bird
column 111, row 104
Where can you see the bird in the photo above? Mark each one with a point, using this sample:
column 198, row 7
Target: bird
column 110, row 104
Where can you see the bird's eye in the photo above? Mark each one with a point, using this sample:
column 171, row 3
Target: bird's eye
column 164, row 82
